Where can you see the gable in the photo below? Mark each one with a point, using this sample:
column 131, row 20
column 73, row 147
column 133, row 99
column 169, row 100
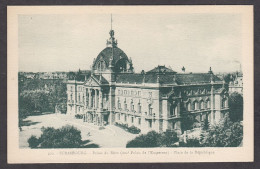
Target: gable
column 92, row 82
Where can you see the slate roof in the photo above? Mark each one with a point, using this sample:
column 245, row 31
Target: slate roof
column 106, row 54
column 161, row 69
column 102, row 80
column 180, row 79
column 129, row 78
column 195, row 77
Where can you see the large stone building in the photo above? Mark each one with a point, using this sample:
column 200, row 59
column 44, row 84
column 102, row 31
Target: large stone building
column 160, row 99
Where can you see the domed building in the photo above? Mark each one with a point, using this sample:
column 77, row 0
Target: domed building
column 160, row 99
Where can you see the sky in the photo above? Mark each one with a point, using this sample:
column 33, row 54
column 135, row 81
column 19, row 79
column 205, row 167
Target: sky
column 68, row 42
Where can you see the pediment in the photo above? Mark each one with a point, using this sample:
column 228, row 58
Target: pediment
column 92, row 82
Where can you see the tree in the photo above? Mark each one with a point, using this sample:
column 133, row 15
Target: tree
column 228, row 78
column 33, row 141
column 151, row 139
column 169, row 138
column 236, row 107
column 205, row 124
column 65, row 137
column 223, row 134
column 188, row 122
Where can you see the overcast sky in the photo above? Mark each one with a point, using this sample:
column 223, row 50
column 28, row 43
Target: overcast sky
column 69, row 42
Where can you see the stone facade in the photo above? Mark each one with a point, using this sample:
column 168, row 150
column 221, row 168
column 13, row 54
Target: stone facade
column 160, row 99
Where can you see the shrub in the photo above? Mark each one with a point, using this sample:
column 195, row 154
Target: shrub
column 101, row 128
column 131, row 129
column 154, row 139
column 79, row 116
column 65, row 137
column 33, row 141
column 151, row 139
column 169, row 138
column 134, row 130
column 192, row 142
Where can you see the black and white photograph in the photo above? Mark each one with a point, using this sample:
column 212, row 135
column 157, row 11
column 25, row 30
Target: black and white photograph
column 131, row 82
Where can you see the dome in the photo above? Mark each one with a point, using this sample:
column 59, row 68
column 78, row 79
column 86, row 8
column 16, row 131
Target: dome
column 106, row 55
column 112, row 58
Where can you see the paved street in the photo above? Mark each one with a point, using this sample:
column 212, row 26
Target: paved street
column 111, row 136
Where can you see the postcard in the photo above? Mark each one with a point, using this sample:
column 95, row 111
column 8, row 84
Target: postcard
column 124, row 84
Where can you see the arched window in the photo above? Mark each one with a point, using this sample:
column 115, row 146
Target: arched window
column 224, row 103
column 173, row 109
column 195, row 105
column 208, row 104
column 101, row 65
column 201, row 105
column 188, row 106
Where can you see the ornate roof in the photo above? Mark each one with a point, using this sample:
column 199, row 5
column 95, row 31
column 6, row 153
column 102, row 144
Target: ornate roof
column 178, row 79
column 107, row 54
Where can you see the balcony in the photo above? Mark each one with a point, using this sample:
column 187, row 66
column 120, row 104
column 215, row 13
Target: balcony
column 149, row 115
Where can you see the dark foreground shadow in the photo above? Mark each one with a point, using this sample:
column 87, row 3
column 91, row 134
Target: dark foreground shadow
column 27, row 123
column 87, row 144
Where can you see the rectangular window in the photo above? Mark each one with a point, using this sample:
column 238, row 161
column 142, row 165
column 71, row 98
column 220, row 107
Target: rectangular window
column 132, row 119
column 133, row 107
column 139, row 121
column 150, row 124
column 139, row 108
column 150, row 109
column 118, row 116
column 125, row 118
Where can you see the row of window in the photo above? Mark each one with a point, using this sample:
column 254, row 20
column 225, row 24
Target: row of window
column 198, row 105
column 204, row 105
column 198, row 91
column 80, row 88
column 132, row 106
column 79, row 98
column 129, row 92
column 133, row 119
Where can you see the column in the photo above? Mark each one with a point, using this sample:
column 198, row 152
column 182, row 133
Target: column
column 95, row 98
column 89, row 97
column 100, row 99
column 86, row 92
